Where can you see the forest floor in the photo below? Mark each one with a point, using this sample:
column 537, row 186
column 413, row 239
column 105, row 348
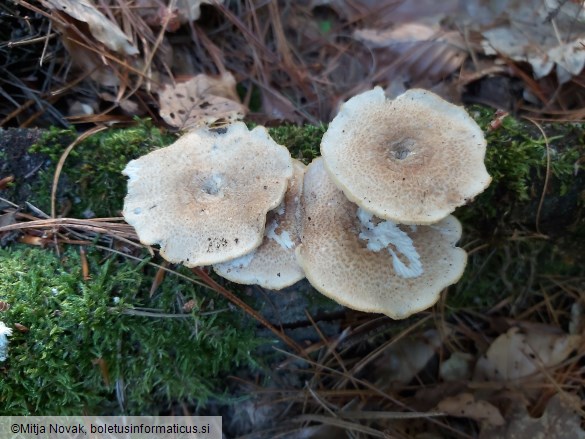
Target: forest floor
column 108, row 327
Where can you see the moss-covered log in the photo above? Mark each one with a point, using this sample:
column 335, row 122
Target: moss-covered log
column 104, row 344
column 526, row 227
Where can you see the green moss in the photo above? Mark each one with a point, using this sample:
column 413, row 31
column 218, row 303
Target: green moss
column 77, row 327
column 516, row 158
column 511, row 257
column 509, row 268
column 91, row 179
column 303, row 142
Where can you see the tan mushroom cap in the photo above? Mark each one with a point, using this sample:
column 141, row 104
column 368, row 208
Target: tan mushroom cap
column 339, row 264
column 412, row 160
column 204, row 199
column 273, row 265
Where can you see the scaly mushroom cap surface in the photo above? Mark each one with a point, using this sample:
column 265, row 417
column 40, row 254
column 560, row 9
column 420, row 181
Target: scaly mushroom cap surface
column 204, row 199
column 273, row 265
column 412, row 160
column 340, row 264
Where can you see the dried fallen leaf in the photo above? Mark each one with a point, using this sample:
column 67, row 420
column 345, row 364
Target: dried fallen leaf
column 559, row 421
column 464, row 405
column 201, row 101
column 517, row 355
column 424, row 50
column 4, row 306
column 86, row 59
column 21, row 328
column 105, row 31
column 402, row 361
column 544, row 34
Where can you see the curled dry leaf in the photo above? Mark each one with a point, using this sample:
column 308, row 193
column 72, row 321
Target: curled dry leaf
column 422, row 49
column 85, row 59
column 559, row 421
column 516, row 355
column 464, row 405
column 4, row 306
column 102, row 29
column 201, row 101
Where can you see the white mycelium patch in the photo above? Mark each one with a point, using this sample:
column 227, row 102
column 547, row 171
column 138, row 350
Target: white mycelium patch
column 280, row 209
column 381, row 235
column 4, row 333
column 283, row 239
column 238, row 263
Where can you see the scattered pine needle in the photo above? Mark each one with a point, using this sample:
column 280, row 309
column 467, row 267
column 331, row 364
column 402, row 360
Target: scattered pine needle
column 62, row 159
column 547, row 175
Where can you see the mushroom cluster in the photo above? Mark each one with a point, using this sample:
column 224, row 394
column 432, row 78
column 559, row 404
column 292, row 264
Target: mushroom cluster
column 368, row 223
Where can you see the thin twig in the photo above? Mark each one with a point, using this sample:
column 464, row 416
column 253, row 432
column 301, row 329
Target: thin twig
column 61, row 162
